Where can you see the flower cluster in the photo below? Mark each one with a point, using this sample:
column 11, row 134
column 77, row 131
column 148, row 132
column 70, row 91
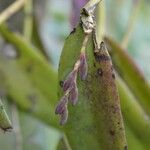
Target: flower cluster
column 70, row 88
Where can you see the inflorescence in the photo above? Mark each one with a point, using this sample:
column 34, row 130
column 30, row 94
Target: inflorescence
column 70, row 87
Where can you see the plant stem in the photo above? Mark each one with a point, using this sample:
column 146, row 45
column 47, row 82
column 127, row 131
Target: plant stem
column 100, row 20
column 131, row 22
column 28, row 20
column 12, row 9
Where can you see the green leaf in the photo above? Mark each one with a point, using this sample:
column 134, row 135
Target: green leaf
column 95, row 122
column 134, row 115
column 28, row 78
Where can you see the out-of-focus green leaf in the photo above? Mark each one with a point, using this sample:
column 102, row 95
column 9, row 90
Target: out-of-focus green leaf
column 28, row 79
column 133, row 141
column 134, row 115
column 28, row 133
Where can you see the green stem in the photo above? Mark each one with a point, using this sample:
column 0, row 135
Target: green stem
column 101, row 20
column 64, row 144
column 28, row 20
column 131, row 22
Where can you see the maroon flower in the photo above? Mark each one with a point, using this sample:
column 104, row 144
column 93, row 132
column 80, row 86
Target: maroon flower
column 73, row 95
column 62, row 110
column 68, row 83
column 61, row 107
column 64, row 117
column 83, row 66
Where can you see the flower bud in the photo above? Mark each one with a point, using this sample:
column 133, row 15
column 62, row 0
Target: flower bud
column 73, row 95
column 83, row 66
column 61, row 107
column 68, row 83
column 64, row 117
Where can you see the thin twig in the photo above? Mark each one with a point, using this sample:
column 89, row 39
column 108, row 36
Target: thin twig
column 28, row 20
column 66, row 142
column 131, row 22
column 100, row 20
column 12, row 9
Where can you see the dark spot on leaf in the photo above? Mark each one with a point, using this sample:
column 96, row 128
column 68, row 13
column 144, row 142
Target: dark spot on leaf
column 112, row 68
column 29, row 68
column 113, row 75
column 94, row 65
column 125, row 147
column 112, row 132
column 61, row 83
column 101, row 57
column 120, row 128
column 99, row 72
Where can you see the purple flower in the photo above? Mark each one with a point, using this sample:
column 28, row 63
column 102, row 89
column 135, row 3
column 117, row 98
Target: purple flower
column 64, row 117
column 61, row 107
column 68, row 83
column 76, row 7
column 73, row 95
column 83, row 66
column 62, row 110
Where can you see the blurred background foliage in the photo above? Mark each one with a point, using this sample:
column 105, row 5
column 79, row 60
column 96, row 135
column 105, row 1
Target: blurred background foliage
column 50, row 21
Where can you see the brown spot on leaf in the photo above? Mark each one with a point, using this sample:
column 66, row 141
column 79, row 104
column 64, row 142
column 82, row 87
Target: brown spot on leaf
column 113, row 75
column 112, row 132
column 94, row 65
column 125, row 147
column 101, row 57
column 99, row 72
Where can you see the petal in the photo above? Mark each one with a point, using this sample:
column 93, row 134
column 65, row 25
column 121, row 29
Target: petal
column 69, row 80
column 64, row 117
column 60, row 108
column 83, row 67
column 73, row 95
